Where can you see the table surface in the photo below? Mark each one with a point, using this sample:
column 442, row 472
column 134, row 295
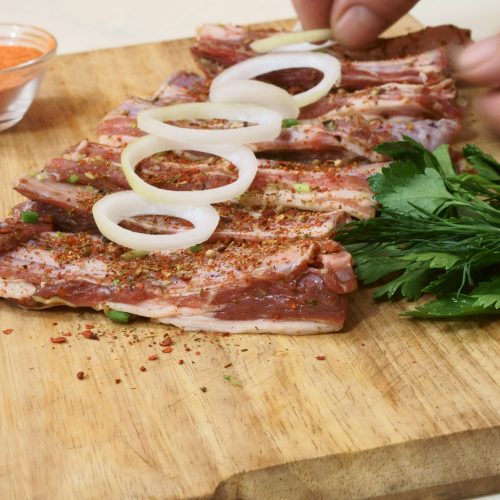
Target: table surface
column 81, row 26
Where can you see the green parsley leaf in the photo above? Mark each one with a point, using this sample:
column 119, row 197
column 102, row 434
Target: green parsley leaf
column 450, row 307
column 485, row 164
column 404, row 188
column 487, row 293
column 73, row 178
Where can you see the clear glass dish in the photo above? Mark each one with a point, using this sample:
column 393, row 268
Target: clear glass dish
column 19, row 84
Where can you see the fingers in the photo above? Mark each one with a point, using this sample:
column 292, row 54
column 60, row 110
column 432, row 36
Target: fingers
column 357, row 23
column 489, row 107
column 313, row 14
column 479, row 63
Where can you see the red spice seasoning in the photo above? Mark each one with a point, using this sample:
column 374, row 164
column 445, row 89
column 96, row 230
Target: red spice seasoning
column 58, row 340
column 89, row 327
column 14, row 55
column 88, row 334
column 321, row 358
column 80, row 375
column 118, row 380
column 180, row 362
column 142, row 368
column 166, row 342
column 7, row 331
column 167, row 350
column 152, row 357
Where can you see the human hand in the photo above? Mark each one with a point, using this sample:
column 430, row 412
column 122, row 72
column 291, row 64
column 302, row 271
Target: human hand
column 479, row 64
column 354, row 23
column 357, row 23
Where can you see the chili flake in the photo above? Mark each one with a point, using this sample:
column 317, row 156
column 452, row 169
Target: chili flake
column 153, row 357
column 320, row 358
column 167, row 349
column 142, row 368
column 166, row 342
column 7, row 331
column 80, row 375
column 89, row 334
column 58, row 340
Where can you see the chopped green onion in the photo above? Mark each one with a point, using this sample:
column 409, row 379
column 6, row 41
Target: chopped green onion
column 232, row 380
column 330, row 125
column 89, row 175
column 302, row 187
column 134, row 254
column 118, row 316
column 30, row 217
column 289, row 122
column 73, row 178
column 116, row 282
column 196, row 248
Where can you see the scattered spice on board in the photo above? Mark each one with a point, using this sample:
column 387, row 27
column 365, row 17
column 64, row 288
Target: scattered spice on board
column 180, row 362
column 142, row 368
column 7, row 331
column 166, row 342
column 320, row 358
column 58, row 340
column 203, row 389
column 80, row 375
column 167, row 349
column 228, row 365
column 153, row 357
column 89, row 334
column 118, row 380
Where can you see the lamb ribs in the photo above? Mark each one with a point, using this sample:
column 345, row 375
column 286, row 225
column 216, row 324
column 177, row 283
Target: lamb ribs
column 271, row 265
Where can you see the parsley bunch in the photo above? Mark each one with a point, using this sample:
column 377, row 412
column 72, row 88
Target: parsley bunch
column 437, row 232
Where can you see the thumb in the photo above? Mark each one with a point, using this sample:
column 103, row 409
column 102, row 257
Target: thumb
column 357, row 23
column 479, row 63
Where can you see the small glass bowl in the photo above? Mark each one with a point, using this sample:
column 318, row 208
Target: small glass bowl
column 19, row 84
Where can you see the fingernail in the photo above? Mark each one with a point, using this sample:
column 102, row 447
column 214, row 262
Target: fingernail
column 358, row 26
column 477, row 53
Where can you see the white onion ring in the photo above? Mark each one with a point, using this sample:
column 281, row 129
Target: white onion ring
column 304, row 47
column 268, row 123
column 260, row 65
column 110, row 210
column 281, row 40
column 242, row 158
column 255, row 92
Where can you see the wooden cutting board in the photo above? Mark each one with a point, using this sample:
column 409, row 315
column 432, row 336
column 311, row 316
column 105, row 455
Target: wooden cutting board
column 398, row 407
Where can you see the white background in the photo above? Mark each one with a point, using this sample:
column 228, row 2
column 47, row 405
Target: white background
column 96, row 24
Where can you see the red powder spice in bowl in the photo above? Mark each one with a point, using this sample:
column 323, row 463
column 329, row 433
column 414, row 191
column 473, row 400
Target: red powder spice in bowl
column 25, row 52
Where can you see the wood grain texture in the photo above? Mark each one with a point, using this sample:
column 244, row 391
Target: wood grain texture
column 399, row 408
